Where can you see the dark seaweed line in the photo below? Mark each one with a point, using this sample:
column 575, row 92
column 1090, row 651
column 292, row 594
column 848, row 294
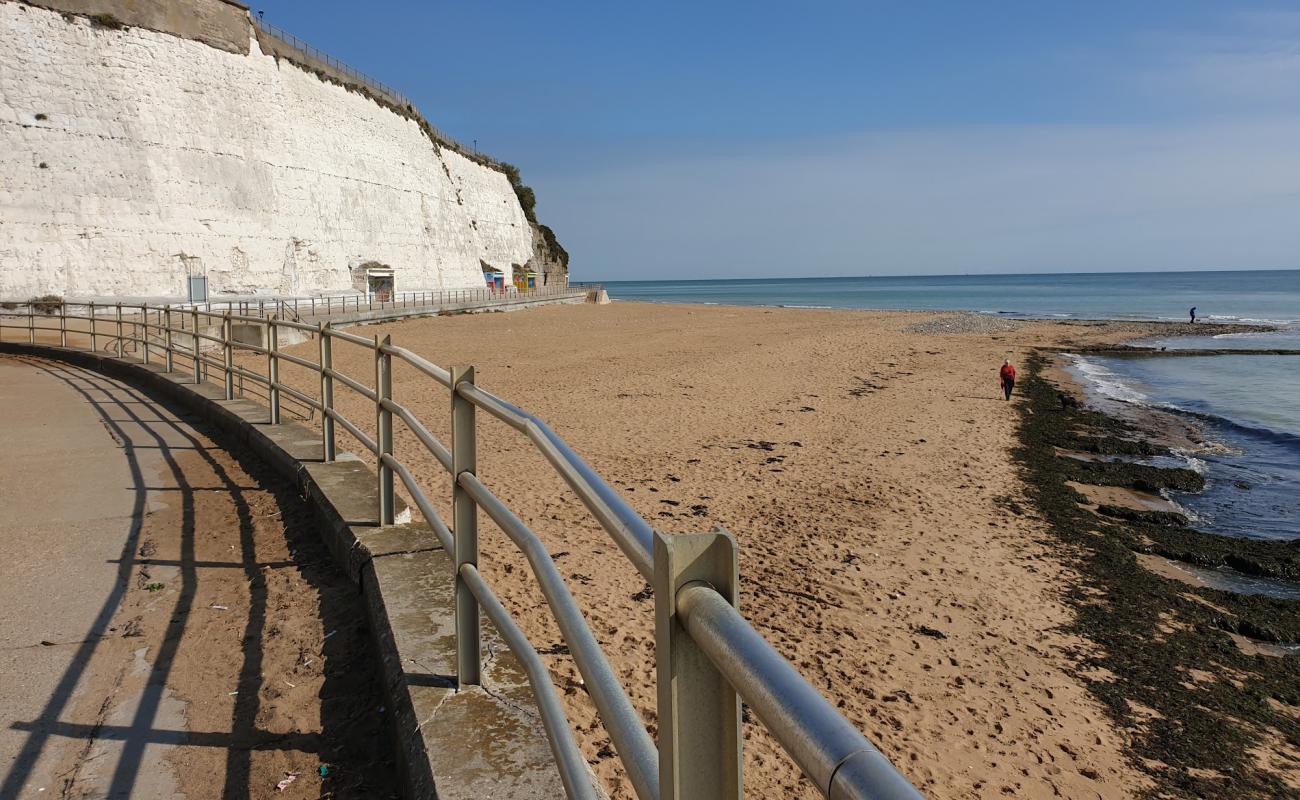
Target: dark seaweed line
column 1151, row 352
column 1151, row 631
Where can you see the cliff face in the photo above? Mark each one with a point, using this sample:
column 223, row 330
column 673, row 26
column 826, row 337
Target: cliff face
column 549, row 258
column 133, row 158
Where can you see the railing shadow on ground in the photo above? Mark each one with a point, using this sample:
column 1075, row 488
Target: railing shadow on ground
column 341, row 655
column 708, row 657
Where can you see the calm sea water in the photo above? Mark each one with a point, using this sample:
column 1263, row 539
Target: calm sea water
column 1223, row 296
column 1248, row 404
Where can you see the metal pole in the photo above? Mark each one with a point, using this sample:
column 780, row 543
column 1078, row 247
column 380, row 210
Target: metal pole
column 227, row 331
column 144, row 312
column 326, row 390
column 120, row 349
column 194, row 340
column 464, row 510
column 273, row 368
column 384, row 428
column 63, row 324
column 31, row 323
column 167, row 335
column 699, row 711
column 94, row 342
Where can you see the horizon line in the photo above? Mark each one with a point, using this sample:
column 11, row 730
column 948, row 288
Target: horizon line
column 940, row 275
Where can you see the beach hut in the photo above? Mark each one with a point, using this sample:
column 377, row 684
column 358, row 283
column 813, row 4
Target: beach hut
column 496, row 281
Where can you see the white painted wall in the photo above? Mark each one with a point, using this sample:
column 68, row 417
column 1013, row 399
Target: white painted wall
column 161, row 151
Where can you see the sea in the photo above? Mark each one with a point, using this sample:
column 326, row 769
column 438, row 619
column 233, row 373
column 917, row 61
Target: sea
column 1247, row 405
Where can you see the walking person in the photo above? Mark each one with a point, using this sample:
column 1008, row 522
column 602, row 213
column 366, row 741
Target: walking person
column 1008, row 376
column 1192, row 313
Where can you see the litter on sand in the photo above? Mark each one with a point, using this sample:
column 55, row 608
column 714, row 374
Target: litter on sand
column 219, row 608
column 289, row 777
column 331, row 633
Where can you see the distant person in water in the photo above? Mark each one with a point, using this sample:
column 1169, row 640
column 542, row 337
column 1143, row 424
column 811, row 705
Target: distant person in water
column 1192, row 313
column 1008, row 375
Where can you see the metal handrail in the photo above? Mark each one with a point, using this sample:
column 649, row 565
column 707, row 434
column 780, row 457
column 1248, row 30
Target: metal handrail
column 630, row 532
column 830, row 751
column 626, row 731
column 572, row 766
column 826, row 747
column 291, row 310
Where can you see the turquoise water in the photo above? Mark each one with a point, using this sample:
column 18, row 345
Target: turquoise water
column 1263, row 296
column 1249, row 405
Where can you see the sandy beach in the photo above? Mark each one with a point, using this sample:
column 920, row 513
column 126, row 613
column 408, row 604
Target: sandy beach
column 863, row 467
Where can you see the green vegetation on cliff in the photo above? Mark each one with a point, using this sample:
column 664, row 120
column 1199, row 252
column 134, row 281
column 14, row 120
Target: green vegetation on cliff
column 528, row 201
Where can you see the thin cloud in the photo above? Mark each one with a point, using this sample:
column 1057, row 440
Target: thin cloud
column 1254, row 58
column 1013, row 198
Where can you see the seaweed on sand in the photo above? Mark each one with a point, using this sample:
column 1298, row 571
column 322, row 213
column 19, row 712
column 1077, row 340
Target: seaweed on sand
column 1194, row 704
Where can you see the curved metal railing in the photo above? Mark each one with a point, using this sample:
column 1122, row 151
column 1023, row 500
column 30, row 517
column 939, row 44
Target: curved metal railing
column 301, row 309
column 708, row 657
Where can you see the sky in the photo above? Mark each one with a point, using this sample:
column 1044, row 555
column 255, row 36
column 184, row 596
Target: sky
column 678, row 140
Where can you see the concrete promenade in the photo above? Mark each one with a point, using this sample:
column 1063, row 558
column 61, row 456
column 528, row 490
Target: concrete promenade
column 70, row 498
column 179, row 620
column 138, row 562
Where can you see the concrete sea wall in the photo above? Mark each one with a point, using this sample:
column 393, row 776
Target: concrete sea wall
column 133, row 158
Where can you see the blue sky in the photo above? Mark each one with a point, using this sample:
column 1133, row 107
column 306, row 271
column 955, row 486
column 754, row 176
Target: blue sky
column 721, row 139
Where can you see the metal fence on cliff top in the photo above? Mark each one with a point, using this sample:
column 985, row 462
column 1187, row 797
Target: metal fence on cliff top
column 357, row 76
column 330, row 61
column 708, row 658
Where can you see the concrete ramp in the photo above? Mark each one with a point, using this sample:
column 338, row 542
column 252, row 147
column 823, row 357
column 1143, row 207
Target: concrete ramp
column 451, row 743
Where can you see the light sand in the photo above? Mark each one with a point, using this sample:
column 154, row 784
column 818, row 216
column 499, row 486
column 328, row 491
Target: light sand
column 858, row 467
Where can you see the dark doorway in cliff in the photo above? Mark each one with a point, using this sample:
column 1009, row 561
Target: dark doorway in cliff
column 380, row 287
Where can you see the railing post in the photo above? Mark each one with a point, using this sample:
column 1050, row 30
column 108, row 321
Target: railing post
column 384, row 428
column 194, row 341
column 227, row 333
column 699, row 711
column 167, row 336
column 464, row 458
column 144, row 340
column 31, row 323
column 94, row 342
column 63, row 324
column 121, row 346
column 326, row 391
column 273, row 368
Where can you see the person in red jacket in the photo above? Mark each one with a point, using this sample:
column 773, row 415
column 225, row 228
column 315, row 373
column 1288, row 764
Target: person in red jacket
column 1008, row 375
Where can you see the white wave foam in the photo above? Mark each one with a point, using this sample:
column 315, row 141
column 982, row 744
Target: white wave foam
column 1191, row 515
column 1106, row 383
column 1193, row 463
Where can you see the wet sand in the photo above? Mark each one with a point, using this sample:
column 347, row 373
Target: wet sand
column 886, row 549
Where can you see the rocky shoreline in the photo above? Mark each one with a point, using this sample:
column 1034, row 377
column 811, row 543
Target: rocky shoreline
column 1194, row 674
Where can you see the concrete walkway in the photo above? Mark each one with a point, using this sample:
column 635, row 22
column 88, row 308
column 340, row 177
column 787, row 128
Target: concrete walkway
column 147, row 584
column 71, row 498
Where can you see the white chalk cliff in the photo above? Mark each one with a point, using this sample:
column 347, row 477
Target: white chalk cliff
column 130, row 159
